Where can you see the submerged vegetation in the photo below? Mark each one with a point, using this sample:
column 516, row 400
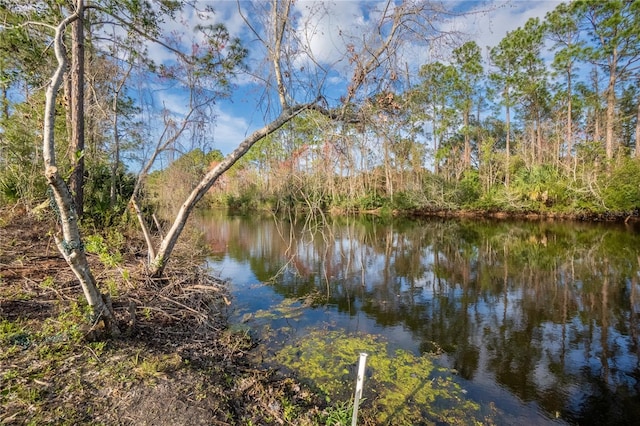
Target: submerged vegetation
column 400, row 388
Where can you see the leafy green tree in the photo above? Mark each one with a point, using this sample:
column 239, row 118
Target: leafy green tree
column 531, row 81
column 612, row 44
column 520, row 77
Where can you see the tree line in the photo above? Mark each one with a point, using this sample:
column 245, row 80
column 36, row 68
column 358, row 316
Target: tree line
column 548, row 120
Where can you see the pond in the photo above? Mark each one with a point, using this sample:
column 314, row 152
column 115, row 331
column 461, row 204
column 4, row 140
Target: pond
column 534, row 322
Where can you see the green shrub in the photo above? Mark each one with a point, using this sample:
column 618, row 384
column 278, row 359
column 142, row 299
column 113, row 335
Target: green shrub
column 242, row 203
column 109, row 254
column 371, row 202
column 405, row 201
column 469, row 188
column 97, row 195
column 621, row 191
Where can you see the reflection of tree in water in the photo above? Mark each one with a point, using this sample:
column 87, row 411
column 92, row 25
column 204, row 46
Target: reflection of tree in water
column 548, row 309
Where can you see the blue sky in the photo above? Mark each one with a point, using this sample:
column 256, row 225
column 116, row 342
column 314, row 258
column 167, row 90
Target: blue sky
column 319, row 25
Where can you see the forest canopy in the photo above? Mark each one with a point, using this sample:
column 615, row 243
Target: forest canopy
column 547, row 120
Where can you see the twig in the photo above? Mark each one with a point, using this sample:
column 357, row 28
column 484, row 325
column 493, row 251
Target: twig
column 181, row 305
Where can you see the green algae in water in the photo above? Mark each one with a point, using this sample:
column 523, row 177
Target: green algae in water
column 288, row 309
column 400, row 388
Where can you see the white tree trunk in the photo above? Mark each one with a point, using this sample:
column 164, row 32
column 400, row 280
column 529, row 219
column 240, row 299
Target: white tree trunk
column 70, row 245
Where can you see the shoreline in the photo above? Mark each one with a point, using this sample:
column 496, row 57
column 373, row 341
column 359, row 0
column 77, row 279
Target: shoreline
column 177, row 361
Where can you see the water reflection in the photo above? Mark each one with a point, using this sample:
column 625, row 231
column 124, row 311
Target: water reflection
column 533, row 314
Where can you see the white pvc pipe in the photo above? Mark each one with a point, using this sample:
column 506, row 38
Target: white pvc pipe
column 359, row 385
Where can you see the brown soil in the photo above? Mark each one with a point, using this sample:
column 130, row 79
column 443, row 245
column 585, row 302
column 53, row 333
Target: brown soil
column 177, row 363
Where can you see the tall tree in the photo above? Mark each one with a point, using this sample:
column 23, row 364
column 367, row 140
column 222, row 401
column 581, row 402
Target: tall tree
column 70, row 245
column 614, row 45
column 562, row 30
column 504, row 59
column 435, row 93
column 521, row 73
column 532, row 82
column 468, row 60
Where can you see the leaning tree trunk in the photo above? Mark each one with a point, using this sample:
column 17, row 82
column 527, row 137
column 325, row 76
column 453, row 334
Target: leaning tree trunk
column 70, row 245
column 156, row 268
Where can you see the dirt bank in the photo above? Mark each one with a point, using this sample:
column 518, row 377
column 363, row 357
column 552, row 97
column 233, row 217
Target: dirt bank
column 176, row 364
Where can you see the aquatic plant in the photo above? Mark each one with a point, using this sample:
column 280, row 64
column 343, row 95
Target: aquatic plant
column 400, row 387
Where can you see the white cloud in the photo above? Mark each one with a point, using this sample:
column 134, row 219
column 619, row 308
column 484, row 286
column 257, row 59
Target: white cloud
column 321, row 25
column 230, row 129
column 488, row 28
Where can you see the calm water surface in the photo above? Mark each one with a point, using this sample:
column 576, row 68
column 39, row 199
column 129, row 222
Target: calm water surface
column 540, row 319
